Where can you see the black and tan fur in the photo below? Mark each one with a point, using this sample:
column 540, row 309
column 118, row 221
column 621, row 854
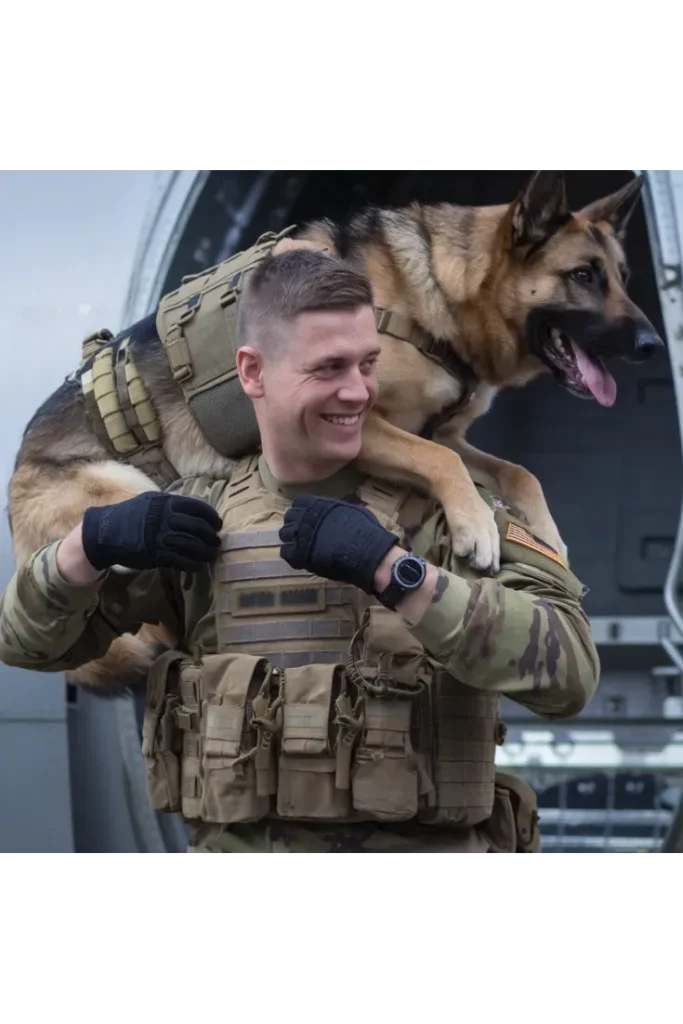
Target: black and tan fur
column 489, row 281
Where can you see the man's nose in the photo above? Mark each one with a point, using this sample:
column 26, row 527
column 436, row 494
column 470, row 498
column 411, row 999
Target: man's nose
column 354, row 388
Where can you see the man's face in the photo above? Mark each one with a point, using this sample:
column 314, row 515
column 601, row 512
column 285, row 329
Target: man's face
column 318, row 385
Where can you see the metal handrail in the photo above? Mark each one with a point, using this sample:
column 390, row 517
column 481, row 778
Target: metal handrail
column 660, row 215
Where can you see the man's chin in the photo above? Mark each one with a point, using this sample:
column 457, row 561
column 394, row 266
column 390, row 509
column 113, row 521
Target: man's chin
column 347, row 449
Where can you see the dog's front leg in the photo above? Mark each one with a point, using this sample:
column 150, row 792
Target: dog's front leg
column 393, row 454
column 511, row 482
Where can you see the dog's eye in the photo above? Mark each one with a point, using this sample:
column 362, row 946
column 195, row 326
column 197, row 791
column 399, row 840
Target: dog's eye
column 584, row 275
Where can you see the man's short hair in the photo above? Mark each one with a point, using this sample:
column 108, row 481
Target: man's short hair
column 299, row 281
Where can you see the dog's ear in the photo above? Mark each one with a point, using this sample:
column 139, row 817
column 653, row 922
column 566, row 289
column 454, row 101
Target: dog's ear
column 539, row 210
column 616, row 209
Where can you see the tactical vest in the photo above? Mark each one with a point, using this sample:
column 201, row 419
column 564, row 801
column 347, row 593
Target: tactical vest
column 317, row 704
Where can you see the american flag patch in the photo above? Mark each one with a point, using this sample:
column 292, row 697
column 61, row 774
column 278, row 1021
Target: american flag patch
column 519, row 535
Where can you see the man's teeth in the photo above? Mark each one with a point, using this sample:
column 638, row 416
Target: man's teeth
column 344, row 421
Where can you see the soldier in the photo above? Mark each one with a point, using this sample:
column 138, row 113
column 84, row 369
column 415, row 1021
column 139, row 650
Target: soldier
column 337, row 674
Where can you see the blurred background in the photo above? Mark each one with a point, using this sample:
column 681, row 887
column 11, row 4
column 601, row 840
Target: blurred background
column 85, row 250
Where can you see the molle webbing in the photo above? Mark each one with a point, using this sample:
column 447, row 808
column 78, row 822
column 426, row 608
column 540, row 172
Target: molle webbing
column 232, row 776
column 263, row 605
column 311, row 761
column 454, row 728
column 197, row 324
column 385, row 500
column 120, row 409
column 464, row 751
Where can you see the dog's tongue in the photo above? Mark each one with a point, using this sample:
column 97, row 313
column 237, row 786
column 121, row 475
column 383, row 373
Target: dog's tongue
column 597, row 379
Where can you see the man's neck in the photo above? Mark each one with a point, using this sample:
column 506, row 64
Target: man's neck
column 339, row 484
column 290, row 470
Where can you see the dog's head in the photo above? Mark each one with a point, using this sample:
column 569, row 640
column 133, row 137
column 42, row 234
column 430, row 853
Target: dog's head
column 565, row 286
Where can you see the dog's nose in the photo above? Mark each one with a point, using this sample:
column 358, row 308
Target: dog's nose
column 646, row 343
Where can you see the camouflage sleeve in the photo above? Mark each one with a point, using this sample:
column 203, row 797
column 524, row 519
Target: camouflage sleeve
column 522, row 633
column 50, row 625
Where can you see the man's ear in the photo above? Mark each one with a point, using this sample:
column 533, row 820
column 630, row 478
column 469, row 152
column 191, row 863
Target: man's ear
column 250, row 370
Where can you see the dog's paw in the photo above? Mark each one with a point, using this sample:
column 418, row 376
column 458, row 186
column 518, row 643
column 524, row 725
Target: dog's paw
column 475, row 537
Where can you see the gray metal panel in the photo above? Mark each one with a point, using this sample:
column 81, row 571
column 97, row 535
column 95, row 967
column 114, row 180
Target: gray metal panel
column 612, row 478
column 111, row 808
column 100, row 815
column 35, row 799
column 35, row 809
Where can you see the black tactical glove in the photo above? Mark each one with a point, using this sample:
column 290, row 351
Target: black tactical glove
column 150, row 531
column 335, row 539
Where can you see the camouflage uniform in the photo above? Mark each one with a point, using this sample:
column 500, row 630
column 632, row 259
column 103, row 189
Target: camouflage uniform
column 522, row 634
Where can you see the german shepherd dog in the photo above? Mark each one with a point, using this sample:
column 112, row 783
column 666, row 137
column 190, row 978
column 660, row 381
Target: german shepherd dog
column 514, row 291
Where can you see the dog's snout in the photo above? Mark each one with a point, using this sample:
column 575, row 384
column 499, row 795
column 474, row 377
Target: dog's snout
column 646, row 343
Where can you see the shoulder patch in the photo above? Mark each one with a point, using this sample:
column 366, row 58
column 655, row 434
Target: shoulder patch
column 518, row 535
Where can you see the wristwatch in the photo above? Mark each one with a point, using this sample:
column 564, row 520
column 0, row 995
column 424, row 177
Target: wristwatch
column 407, row 574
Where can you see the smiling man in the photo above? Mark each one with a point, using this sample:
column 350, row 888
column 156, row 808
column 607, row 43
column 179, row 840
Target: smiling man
column 307, row 354
column 337, row 676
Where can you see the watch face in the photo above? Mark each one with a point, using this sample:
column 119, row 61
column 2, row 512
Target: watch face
column 410, row 571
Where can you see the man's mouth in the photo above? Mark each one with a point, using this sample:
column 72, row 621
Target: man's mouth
column 343, row 421
column 582, row 374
